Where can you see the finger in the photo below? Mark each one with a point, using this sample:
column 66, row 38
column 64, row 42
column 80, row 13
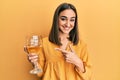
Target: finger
column 59, row 49
column 70, row 46
column 67, row 60
column 25, row 49
column 32, row 55
column 66, row 55
column 34, row 60
column 62, row 50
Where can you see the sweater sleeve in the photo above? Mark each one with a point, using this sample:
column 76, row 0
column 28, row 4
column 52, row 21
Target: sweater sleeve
column 87, row 75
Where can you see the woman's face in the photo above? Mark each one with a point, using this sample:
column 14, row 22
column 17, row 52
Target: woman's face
column 66, row 21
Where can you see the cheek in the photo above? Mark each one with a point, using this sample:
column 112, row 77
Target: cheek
column 72, row 24
column 61, row 22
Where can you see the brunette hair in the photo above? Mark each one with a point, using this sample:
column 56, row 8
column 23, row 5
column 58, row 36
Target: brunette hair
column 73, row 35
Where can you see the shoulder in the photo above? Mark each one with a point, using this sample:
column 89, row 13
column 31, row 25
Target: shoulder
column 81, row 43
column 46, row 41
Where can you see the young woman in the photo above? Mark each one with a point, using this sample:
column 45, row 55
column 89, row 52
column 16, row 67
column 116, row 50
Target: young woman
column 63, row 56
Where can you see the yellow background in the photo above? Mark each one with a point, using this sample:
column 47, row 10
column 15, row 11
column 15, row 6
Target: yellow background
column 99, row 23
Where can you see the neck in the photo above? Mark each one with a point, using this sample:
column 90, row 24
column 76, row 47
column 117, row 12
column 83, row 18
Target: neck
column 63, row 36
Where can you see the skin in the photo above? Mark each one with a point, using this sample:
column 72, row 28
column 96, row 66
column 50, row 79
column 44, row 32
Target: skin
column 66, row 21
column 66, row 24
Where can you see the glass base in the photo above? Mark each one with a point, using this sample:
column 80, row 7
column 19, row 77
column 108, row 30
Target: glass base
column 35, row 71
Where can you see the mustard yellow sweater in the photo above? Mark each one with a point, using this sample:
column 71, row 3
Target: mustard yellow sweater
column 55, row 67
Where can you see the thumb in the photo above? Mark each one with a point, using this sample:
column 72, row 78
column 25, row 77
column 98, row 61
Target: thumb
column 72, row 50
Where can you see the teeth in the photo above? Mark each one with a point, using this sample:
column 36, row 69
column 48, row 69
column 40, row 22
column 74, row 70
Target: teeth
column 66, row 28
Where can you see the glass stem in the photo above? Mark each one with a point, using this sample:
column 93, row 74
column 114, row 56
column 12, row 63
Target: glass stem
column 36, row 65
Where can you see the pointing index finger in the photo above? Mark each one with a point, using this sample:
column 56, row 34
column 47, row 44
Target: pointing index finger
column 62, row 50
column 70, row 46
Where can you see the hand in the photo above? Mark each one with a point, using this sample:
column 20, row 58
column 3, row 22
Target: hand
column 25, row 49
column 33, row 57
column 71, row 57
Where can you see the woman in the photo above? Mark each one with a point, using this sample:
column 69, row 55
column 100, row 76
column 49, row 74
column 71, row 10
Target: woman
column 63, row 56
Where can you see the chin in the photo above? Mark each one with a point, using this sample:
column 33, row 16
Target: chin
column 66, row 32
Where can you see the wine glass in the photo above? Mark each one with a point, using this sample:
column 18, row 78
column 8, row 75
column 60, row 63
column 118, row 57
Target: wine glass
column 33, row 44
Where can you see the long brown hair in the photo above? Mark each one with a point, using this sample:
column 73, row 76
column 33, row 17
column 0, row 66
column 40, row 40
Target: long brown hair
column 54, row 33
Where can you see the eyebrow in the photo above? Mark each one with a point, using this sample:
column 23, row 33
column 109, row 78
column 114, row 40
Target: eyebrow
column 66, row 17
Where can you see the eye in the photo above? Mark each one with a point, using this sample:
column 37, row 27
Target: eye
column 72, row 20
column 63, row 18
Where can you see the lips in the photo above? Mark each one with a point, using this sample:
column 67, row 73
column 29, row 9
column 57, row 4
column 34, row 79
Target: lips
column 66, row 28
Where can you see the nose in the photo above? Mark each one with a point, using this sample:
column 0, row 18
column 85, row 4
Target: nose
column 67, row 23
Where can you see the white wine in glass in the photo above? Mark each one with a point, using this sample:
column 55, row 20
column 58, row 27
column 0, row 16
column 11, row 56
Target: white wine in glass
column 33, row 45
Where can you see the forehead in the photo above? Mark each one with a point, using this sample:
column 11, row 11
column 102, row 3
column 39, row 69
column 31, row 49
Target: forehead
column 67, row 13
